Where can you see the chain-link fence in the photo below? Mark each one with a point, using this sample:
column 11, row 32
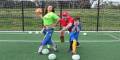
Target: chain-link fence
column 96, row 15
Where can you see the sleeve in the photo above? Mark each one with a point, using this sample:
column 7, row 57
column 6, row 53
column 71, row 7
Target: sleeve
column 55, row 17
column 71, row 20
column 62, row 23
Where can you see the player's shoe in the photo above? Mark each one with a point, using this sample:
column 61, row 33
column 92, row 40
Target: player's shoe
column 55, row 48
column 40, row 53
column 40, row 50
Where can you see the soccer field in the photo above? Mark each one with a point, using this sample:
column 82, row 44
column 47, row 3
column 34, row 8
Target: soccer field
column 93, row 46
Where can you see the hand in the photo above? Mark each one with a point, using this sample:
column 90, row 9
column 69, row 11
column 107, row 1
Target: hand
column 53, row 25
column 42, row 31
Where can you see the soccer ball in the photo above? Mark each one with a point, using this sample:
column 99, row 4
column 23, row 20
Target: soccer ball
column 76, row 57
column 45, row 51
column 51, row 56
column 38, row 11
column 84, row 33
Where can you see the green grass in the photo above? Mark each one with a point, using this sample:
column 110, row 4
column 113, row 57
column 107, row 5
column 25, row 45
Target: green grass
column 13, row 50
column 88, row 51
column 109, row 19
column 100, row 51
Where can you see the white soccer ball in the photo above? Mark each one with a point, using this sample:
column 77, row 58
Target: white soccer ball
column 76, row 57
column 84, row 33
column 51, row 56
column 45, row 51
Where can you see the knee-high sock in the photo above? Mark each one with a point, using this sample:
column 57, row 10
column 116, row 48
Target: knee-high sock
column 74, row 45
column 40, row 49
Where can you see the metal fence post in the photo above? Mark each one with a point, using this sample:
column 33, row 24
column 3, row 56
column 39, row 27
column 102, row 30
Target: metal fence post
column 98, row 14
column 61, row 2
column 23, row 16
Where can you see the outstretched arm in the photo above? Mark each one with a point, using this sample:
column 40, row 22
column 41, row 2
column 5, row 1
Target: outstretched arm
column 68, row 26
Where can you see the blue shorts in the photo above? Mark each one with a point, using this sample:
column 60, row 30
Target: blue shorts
column 74, row 36
column 47, row 38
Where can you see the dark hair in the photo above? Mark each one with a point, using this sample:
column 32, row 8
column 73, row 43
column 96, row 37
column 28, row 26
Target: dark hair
column 46, row 11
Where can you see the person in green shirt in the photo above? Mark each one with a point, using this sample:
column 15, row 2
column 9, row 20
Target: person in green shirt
column 49, row 21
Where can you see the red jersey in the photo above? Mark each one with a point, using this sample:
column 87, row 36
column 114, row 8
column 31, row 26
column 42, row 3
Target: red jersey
column 64, row 22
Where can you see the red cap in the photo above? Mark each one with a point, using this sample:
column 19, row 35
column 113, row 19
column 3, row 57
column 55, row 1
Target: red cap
column 65, row 13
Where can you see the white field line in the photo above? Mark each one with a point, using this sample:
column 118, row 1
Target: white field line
column 38, row 32
column 13, row 33
column 86, row 41
column 56, row 31
column 113, row 36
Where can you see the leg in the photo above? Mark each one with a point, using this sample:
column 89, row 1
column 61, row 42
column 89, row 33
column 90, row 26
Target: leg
column 74, row 47
column 76, row 37
column 73, row 42
column 70, row 40
column 62, row 36
column 44, row 42
column 50, row 41
column 40, row 49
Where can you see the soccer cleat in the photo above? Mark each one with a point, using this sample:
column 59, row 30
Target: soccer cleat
column 55, row 48
column 40, row 53
column 40, row 49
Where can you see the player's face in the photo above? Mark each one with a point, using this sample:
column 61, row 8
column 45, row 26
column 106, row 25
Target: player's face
column 64, row 17
column 50, row 8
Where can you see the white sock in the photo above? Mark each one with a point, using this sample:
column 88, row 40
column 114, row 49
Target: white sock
column 40, row 49
column 54, row 47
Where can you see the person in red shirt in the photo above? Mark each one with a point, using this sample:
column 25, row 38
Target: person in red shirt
column 64, row 21
column 67, row 22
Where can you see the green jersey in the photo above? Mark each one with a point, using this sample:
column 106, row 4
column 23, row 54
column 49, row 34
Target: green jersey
column 50, row 18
